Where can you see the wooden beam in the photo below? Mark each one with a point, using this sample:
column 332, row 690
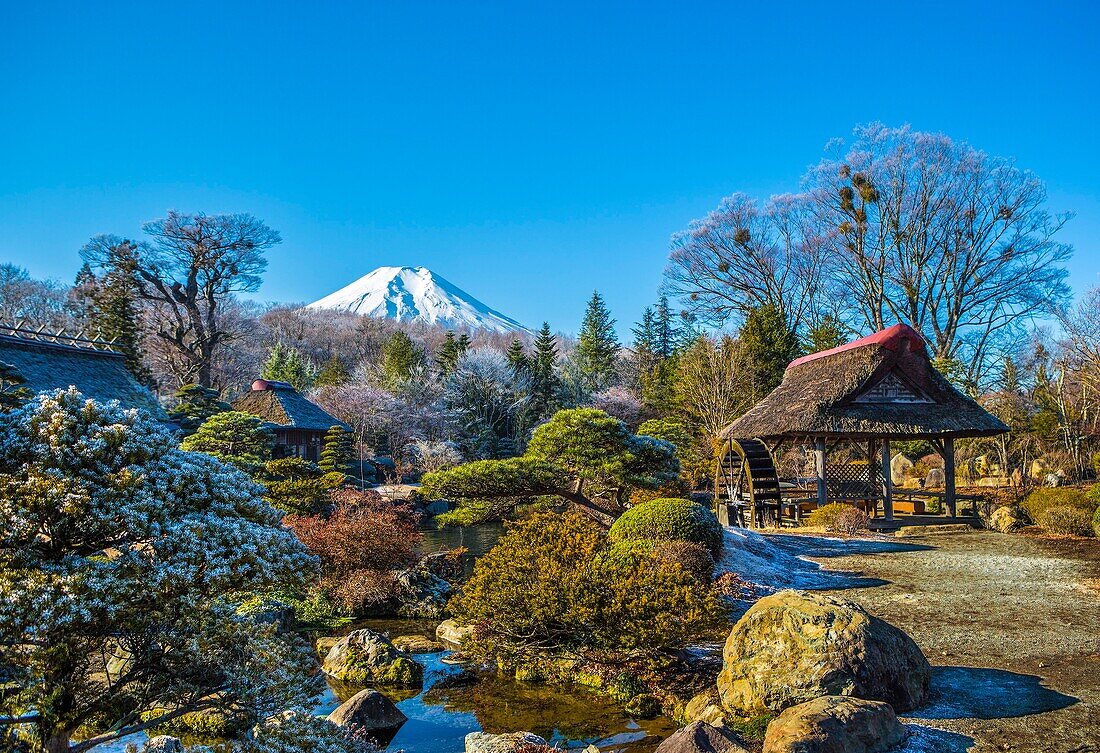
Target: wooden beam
column 819, row 463
column 887, row 482
column 949, row 475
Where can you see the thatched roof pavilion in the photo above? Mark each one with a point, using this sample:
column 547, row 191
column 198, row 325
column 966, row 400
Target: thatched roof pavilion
column 299, row 424
column 876, row 389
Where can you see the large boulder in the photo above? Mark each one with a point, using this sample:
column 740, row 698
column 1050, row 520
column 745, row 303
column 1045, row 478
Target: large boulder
column 1005, row 519
column 163, row 744
column 451, row 633
column 417, row 644
column 705, row 707
column 794, row 646
column 899, row 468
column 368, row 710
column 364, row 657
column 485, row 742
column 420, row 593
column 835, row 724
column 700, row 737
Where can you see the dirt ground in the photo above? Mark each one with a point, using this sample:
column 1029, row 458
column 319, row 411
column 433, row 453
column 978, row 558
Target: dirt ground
column 1010, row 623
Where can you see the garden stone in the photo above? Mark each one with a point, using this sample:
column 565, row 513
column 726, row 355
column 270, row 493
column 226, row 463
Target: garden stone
column 438, row 507
column 420, row 593
column 163, row 744
column 835, row 724
column 899, row 468
column 452, row 633
column 1004, row 519
column 700, row 737
column 417, row 644
column 934, row 479
column 794, row 646
column 324, row 645
column 484, row 742
column 368, row 710
column 364, row 657
column 705, row 707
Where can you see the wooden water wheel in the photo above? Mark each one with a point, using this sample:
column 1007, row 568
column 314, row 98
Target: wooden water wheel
column 746, row 485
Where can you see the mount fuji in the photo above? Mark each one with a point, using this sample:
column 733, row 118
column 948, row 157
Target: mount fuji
column 416, row 294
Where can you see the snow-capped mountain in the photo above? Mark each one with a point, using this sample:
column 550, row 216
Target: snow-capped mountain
column 416, row 294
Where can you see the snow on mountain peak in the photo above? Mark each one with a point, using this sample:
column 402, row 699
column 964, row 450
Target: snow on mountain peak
column 408, row 294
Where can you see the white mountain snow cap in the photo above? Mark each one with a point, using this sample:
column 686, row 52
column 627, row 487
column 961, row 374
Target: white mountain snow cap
column 416, row 294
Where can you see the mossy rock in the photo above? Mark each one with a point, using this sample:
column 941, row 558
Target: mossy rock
column 669, row 519
column 530, row 674
column 643, row 706
column 364, row 657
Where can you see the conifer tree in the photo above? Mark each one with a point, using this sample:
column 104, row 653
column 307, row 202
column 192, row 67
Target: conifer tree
column 597, row 345
column 332, row 374
column 286, row 364
column 338, row 451
column 646, row 341
column 196, row 404
column 668, row 337
column 463, row 344
column 400, row 357
column 543, row 375
column 517, row 357
column 233, row 437
column 447, row 358
column 12, row 392
column 824, row 335
column 769, row 345
column 112, row 311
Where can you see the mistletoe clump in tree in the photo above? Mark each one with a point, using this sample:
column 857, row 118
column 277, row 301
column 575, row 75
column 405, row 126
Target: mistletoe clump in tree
column 122, row 562
column 583, row 456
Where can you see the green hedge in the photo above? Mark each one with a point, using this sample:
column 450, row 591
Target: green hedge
column 1041, row 500
column 669, row 519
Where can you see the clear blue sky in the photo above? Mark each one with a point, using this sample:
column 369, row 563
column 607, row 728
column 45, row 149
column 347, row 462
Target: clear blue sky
column 529, row 153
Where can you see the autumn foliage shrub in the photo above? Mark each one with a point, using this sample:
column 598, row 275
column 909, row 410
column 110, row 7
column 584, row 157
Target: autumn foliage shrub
column 554, row 585
column 1067, row 521
column 669, row 519
column 359, row 544
column 851, row 521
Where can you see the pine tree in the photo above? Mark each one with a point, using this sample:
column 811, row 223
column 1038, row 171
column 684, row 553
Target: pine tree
column 400, row 357
column 12, row 392
column 286, row 364
column 824, row 335
column 113, row 312
column 338, row 452
column 196, row 404
column 668, row 337
column 597, row 345
column 447, row 358
column 332, row 374
column 517, row 357
column 769, row 345
column 544, row 362
column 646, row 341
column 463, row 344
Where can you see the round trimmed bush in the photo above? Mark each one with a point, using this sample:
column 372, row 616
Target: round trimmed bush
column 1066, row 521
column 669, row 519
column 1041, row 500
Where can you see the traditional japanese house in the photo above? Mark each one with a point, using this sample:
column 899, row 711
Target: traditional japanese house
column 298, row 424
column 57, row 360
column 859, row 397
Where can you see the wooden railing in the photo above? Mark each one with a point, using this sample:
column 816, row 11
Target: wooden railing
column 21, row 330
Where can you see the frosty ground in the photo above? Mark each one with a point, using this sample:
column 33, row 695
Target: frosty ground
column 1010, row 623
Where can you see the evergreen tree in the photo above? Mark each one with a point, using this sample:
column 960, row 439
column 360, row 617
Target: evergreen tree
column 824, row 335
column 768, row 345
column 338, row 451
column 463, row 344
column 196, row 404
column 517, row 357
column 543, row 372
column 400, row 357
column 233, row 437
column 12, row 392
column 332, row 374
column 113, row 312
column 447, row 358
column 646, row 341
column 597, row 345
column 286, row 364
column 667, row 336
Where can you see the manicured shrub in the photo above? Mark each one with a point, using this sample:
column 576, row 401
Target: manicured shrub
column 669, row 519
column 1043, row 499
column 695, row 559
column 851, row 521
column 825, row 516
column 1066, row 521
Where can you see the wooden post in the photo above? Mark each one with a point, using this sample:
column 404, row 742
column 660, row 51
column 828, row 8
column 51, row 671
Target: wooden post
column 887, row 483
column 949, row 475
column 871, row 460
column 819, row 462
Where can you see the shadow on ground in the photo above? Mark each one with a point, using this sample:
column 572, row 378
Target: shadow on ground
column 931, row 740
column 825, row 546
column 986, row 693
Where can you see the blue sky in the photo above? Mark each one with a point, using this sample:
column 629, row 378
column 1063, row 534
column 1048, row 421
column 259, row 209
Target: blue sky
column 528, row 153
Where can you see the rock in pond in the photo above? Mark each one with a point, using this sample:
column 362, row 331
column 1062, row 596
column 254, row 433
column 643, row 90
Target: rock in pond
column 324, row 645
column 835, row 724
column 417, row 644
column 364, row 657
column 484, row 742
column 163, row 744
column 452, row 633
column 368, row 710
column 794, row 646
column 420, row 593
column 700, row 737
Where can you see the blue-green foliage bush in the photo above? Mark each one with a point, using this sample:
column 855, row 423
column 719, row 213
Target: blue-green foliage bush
column 669, row 519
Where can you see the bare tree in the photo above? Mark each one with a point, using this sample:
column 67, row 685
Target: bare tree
column 193, row 266
column 712, row 386
column 38, row 302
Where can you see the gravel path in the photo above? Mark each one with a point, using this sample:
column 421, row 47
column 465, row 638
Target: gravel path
column 1011, row 624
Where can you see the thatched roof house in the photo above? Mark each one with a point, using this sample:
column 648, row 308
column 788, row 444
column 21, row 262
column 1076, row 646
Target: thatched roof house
column 298, row 424
column 876, row 389
column 880, row 386
column 57, row 361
